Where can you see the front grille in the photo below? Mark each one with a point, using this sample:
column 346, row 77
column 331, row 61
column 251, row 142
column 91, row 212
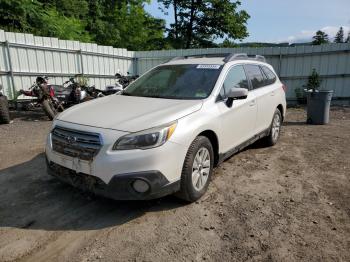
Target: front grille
column 80, row 180
column 74, row 143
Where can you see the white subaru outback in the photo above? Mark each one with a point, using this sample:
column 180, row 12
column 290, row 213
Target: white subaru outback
column 168, row 129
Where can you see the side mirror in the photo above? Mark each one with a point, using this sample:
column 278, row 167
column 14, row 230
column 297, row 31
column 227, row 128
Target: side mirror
column 235, row 94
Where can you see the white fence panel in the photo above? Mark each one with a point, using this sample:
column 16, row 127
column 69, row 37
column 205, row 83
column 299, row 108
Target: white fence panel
column 24, row 56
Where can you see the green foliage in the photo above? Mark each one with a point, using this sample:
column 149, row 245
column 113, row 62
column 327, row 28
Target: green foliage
column 197, row 23
column 137, row 29
column 75, row 8
column 126, row 24
column 53, row 24
column 15, row 14
column 123, row 23
column 228, row 44
column 339, row 38
column 82, row 80
column 314, row 81
column 348, row 39
column 320, row 38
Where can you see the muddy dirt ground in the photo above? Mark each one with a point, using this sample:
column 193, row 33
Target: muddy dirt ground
column 290, row 202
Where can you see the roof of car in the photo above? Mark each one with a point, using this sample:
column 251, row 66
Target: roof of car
column 218, row 59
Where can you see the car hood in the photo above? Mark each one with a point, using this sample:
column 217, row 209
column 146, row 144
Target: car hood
column 129, row 113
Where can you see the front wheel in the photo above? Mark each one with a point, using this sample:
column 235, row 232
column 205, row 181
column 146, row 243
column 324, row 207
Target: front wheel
column 197, row 169
column 49, row 109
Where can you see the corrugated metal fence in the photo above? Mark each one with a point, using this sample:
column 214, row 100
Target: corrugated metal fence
column 24, row 56
column 293, row 64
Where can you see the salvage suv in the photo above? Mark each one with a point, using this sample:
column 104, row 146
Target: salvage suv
column 167, row 131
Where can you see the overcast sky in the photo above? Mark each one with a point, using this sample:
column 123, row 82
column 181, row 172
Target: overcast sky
column 287, row 20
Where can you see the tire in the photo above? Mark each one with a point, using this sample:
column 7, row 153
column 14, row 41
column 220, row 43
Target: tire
column 275, row 129
column 4, row 110
column 192, row 187
column 49, row 109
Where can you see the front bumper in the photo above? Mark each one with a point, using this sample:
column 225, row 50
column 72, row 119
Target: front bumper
column 119, row 187
column 111, row 172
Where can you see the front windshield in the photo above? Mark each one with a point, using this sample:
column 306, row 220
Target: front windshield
column 176, row 82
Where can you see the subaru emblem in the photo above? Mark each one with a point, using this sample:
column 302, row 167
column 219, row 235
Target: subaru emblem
column 71, row 139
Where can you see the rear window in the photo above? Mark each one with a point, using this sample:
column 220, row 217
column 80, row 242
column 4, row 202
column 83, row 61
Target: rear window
column 255, row 75
column 270, row 76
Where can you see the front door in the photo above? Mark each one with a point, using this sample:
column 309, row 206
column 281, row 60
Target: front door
column 237, row 120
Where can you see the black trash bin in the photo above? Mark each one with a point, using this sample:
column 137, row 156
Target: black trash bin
column 318, row 104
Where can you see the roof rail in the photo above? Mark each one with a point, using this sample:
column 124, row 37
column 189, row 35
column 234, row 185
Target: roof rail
column 196, row 56
column 244, row 56
column 260, row 58
column 233, row 56
column 227, row 57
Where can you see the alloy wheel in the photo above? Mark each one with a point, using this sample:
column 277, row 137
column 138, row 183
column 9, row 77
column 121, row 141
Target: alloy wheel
column 201, row 168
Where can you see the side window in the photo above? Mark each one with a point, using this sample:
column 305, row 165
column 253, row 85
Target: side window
column 236, row 78
column 270, row 76
column 255, row 75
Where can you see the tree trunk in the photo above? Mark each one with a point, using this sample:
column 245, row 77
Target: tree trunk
column 176, row 22
column 190, row 25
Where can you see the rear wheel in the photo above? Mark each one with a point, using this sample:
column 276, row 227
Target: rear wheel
column 4, row 110
column 275, row 129
column 197, row 169
column 49, row 109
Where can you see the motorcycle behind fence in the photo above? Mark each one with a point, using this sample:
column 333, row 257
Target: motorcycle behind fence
column 76, row 91
column 45, row 96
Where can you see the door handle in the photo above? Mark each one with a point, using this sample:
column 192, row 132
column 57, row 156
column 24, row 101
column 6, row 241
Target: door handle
column 252, row 103
column 272, row 93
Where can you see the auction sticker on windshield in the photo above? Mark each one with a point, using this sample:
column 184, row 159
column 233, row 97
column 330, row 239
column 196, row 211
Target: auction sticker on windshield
column 208, row 66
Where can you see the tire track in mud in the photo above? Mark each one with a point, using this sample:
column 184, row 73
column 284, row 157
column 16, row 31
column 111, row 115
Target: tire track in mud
column 278, row 203
column 65, row 245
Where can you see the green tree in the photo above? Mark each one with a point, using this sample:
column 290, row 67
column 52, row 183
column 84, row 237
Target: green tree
column 122, row 23
column 53, row 24
column 320, row 38
column 31, row 16
column 339, row 38
column 16, row 14
column 227, row 44
column 198, row 23
column 348, row 39
column 138, row 30
column 68, row 8
column 314, row 81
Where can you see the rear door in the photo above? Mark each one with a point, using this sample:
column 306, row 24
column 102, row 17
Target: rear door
column 237, row 120
column 264, row 91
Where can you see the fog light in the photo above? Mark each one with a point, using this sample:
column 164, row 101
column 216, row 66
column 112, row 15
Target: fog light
column 140, row 186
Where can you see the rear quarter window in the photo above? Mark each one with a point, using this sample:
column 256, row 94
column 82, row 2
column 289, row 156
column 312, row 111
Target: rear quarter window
column 255, row 75
column 270, row 76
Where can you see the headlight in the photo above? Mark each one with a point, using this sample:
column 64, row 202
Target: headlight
column 150, row 138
